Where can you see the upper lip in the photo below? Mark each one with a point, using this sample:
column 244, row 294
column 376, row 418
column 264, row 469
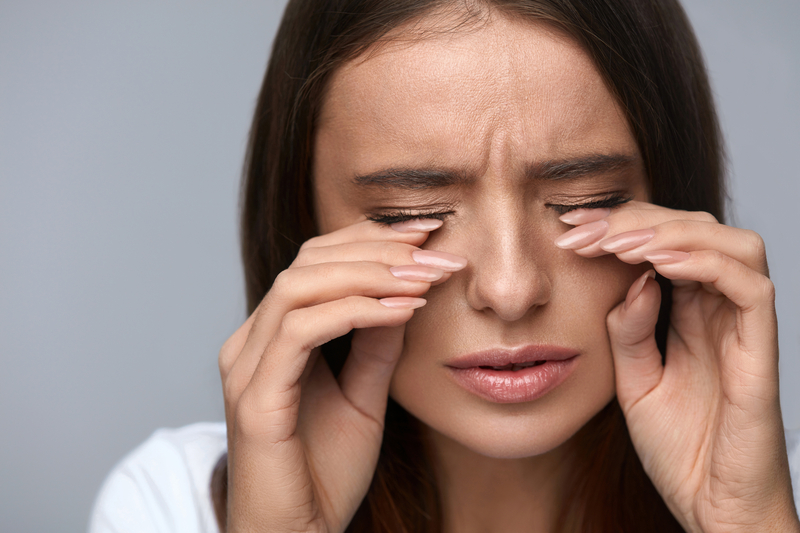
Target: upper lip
column 497, row 357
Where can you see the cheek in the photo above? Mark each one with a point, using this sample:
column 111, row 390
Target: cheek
column 591, row 288
column 583, row 292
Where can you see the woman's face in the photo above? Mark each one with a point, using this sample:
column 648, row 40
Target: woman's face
column 517, row 119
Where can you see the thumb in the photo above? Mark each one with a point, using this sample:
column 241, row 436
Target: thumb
column 631, row 330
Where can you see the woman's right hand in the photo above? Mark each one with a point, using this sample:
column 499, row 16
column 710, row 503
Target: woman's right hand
column 302, row 444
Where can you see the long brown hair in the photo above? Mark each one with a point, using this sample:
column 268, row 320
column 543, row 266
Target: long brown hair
column 650, row 60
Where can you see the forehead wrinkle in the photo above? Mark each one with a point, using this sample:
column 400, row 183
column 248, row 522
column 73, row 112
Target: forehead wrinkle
column 446, row 22
column 445, row 119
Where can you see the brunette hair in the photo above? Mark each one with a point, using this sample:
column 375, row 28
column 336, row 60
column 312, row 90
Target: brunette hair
column 650, row 60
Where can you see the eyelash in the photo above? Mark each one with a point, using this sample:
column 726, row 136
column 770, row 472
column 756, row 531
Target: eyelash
column 387, row 219
column 612, row 200
column 400, row 215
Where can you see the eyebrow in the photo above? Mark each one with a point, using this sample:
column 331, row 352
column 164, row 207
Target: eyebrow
column 580, row 167
column 412, row 178
column 424, row 178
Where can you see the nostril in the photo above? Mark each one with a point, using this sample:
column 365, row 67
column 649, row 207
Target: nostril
column 508, row 291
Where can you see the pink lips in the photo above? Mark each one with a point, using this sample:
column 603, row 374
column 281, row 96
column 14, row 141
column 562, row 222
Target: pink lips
column 513, row 376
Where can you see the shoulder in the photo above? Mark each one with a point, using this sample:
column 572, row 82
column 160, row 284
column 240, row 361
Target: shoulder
column 163, row 485
column 793, row 449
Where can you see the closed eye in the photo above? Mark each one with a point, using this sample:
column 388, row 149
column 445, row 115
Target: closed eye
column 612, row 200
column 401, row 215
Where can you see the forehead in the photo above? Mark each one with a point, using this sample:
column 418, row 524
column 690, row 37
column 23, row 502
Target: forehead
column 500, row 92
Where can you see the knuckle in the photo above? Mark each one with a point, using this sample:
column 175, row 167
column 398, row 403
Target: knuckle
column 628, row 217
column 720, row 259
column 681, row 227
column 349, row 306
column 313, row 242
column 232, row 388
column 353, row 303
column 285, row 291
column 640, row 218
column 305, row 256
column 768, row 290
column 704, row 216
column 756, row 245
column 290, row 325
column 280, row 285
column 247, row 419
column 325, row 271
column 227, row 356
column 397, row 254
column 257, row 415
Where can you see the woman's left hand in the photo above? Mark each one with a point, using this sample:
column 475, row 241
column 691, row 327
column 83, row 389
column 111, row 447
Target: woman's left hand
column 707, row 423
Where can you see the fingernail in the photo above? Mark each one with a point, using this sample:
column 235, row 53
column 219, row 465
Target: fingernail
column 627, row 241
column 417, row 225
column 637, row 287
column 582, row 216
column 403, row 302
column 440, row 260
column 665, row 257
column 416, row 273
column 582, row 235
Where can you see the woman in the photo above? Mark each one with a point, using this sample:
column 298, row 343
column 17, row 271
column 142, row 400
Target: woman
column 483, row 194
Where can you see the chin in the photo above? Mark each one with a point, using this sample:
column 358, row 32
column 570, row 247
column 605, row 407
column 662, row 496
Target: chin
column 516, row 437
column 515, row 444
column 509, row 431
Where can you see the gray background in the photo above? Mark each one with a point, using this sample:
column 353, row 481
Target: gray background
column 122, row 130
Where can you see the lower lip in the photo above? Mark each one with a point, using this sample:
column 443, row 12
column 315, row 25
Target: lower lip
column 505, row 386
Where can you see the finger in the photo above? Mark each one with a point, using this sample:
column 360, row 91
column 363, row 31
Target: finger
column 636, row 213
column 315, row 284
column 387, row 252
column 749, row 290
column 412, row 232
column 752, row 293
column 367, row 372
column 227, row 357
column 390, row 253
column 745, row 246
column 233, row 346
column 577, row 217
column 631, row 216
column 631, row 330
column 274, row 385
column 266, row 416
column 296, row 288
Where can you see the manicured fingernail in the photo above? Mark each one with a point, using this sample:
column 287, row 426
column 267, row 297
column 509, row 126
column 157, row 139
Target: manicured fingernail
column 417, row 225
column 627, row 241
column 637, row 287
column 440, row 260
column 582, row 216
column 416, row 273
column 665, row 257
column 403, row 302
column 582, row 235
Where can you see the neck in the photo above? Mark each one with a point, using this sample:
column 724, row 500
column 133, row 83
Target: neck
column 482, row 494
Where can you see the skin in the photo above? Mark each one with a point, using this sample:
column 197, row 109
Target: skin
column 518, row 287
column 487, row 104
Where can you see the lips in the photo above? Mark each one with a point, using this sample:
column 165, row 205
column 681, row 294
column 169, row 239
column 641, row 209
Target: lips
column 499, row 358
column 513, row 367
column 513, row 375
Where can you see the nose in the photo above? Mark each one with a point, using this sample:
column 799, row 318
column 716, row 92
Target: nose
column 509, row 274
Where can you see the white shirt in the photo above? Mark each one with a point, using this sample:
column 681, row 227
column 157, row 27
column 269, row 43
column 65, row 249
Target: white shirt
column 163, row 486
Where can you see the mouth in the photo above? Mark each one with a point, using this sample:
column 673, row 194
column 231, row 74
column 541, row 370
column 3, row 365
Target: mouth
column 513, row 375
column 512, row 359
column 513, row 367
